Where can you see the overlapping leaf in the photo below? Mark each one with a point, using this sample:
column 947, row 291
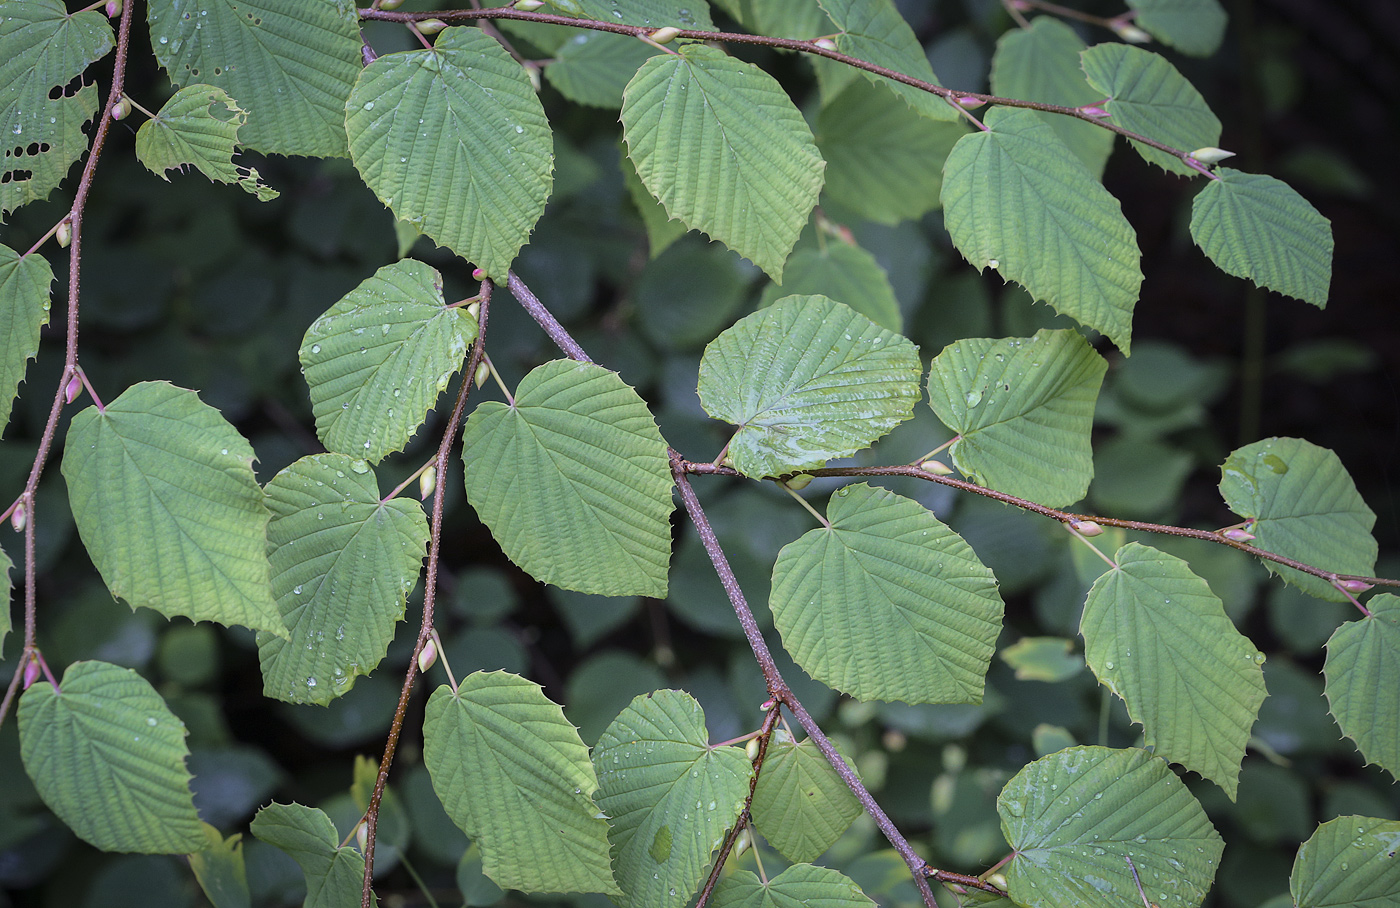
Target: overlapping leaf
column 798, row 886
column 189, row 131
column 455, row 142
column 512, row 773
column 887, row 603
column 1159, row 638
column 1362, row 658
column 846, row 273
column 1257, row 227
column 670, row 797
column 164, row 498
column 1023, row 408
column 334, row 873
column 289, row 65
column 593, row 68
column 342, row 564
column 378, row 359
column 1074, row 819
column 801, row 19
column 800, row 804
column 219, row 869
column 1348, row 861
column 806, row 380
column 720, row 144
column 574, row 481
column 1016, row 199
column 108, row 757
column 1303, row 505
column 874, row 31
column 24, row 311
column 1194, row 27
column 651, row 13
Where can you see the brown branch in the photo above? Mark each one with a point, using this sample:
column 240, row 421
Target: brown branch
column 765, row 735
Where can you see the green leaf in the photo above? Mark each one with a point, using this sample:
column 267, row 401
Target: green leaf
column 5, row 566
column 289, row 63
column 1016, row 199
column 1023, row 408
column 188, row 131
column 378, row 360
column 1361, row 658
column 1041, row 63
column 24, row 311
column 1075, row 817
column 593, row 68
column 218, row 867
column 733, row 158
column 512, row 773
column 796, row 887
column 1159, row 638
column 662, row 229
column 1148, row 96
column 874, row 31
column 342, row 564
column 43, row 48
column 334, row 873
column 801, row 19
column 455, row 142
column 1194, row 27
column 1348, row 861
column 1254, row 226
column 651, row 13
column 1049, row 659
column 883, row 161
column 164, row 498
column 1304, row 506
column 574, row 481
column 670, row 796
column 108, row 757
column 800, row 804
column 887, row 603
column 806, row 380
column 847, row 274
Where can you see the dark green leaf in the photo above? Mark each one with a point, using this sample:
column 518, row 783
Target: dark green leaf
column 593, row 68
column 846, row 273
column 874, row 31
column 334, row 873
column 799, row 886
column 1362, row 657
column 1194, row 27
column 24, row 311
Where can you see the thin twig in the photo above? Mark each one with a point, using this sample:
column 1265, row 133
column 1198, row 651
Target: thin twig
column 765, row 735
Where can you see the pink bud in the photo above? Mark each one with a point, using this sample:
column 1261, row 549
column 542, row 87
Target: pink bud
column 113, row 8
column 72, row 389
column 768, row 705
column 1086, row 527
column 19, row 517
column 31, row 673
column 427, row 656
column 825, row 44
column 1238, row 534
column 121, row 109
column 1094, row 111
column 1354, row 586
column 478, row 274
column 970, row 102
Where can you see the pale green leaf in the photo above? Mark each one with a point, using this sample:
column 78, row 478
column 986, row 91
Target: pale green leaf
column 883, row 161
column 1303, row 505
column 455, row 142
column 720, row 144
column 43, row 48
column 1074, row 819
column 799, row 886
column 512, row 773
column 806, row 380
column 108, row 757
column 1049, row 659
column 1017, row 200
column 378, row 360
column 218, row 867
column 1194, row 27
column 1254, row 226
column 574, row 481
column 800, row 19
column 342, row 564
column 1363, row 657
column 6, row 565
column 669, row 795
column 334, row 873
column 289, row 63
column 874, row 31
column 593, row 68
column 1147, row 95
column 1159, row 638
column 24, row 311
column 887, row 603
column 1023, row 409
column 687, row 14
column 1041, row 63
column 164, row 498
column 188, row 130
column 1349, row 861
column 847, row 274
column 662, row 229
column 800, row 805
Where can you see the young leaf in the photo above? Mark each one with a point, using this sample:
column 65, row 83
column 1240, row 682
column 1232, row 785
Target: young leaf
column 574, row 481
column 1023, row 408
column 455, row 141
column 1159, row 638
column 652, row 13
column 799, row 885
column 187, row 131
column 1075, row 817
column 24, row 311
column 218, row 867
column 334, row 873
column 874, row 31
column 806, row 380
column 1362, row 657
column 670, row 797
column 1348, row 861
column 108, row 757
column 593, row 68
column 1148, row 96
column 1194, row 27
column 164, row 498
column 512, row 773
column 846, row 273
column 1254, row 226
column 1015, row 198
column 1305, row 506
column 378, row 359
column 800, row 804
column 887, row 603
column 290, row 65
column 719, row 143
column 342, row 564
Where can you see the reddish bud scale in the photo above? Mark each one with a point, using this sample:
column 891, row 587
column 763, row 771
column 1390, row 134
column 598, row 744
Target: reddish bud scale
column 19, row 517
column 31, row 673
column 72, row 389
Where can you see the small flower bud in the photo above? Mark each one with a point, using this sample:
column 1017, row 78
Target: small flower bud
column 825, row 44
column 431, row 26
column 1131, row 33
column 427, row 656
column 969, row 102
column 362, row 837
column 31, row 673
column 1094, row 110
column 478, row 274
column 936, row 467
column 390, row 4
column 64, row 233
column 1354, row 586
column 528, row 6
column 1238, row 534
column 121, row 108
column 751, row 749
column 19, row 517
column 799, row 482
column 999, row 881
column 483, row 372
column 427, row 483
column 665, row 35
column 1086, row 527
column 113, row 9
column 742, row 842
column 767, row 705
column 474, row 310
column 533, row 74
column 72, row 389
column 1211, row 155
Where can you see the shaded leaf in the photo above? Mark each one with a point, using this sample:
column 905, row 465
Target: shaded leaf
column 874, row 31
column 219, row 868
column 1348, row 861
column 334, row 873
column 846, row 273
column 189, row 131
column 593, row 68
column 1049, row 659
column 796, row 887
column 1194, row 27
column 652, row 13
column 1362, row 658
column 800, row 805
column 24, row 311
column 6, row 565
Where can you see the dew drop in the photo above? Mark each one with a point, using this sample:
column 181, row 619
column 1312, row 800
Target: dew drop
column 315, row 348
